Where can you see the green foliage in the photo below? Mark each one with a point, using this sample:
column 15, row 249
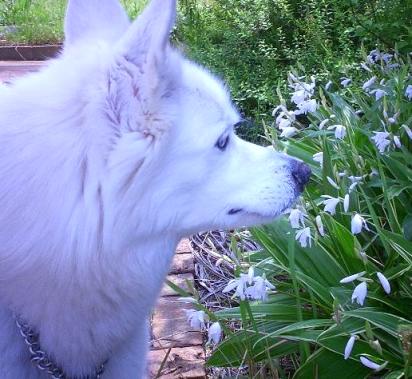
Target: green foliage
column 384, row 22
column 41, row 21
column 312, row 316
column 252, row 43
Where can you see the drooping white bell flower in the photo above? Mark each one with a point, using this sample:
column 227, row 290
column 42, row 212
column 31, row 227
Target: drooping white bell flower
column 297, row 218
column 197, row 319
column 359, row 293
column 330, row 204
column 349, row 346
column 381, row 140
column 384, row 282
column 319, row 225
column 214, row 333
column 346, row 203
column 304, row 237
column 373, row 365
column 352, row 278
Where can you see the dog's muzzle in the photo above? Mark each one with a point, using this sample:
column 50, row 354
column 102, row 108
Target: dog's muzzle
column 301, row 173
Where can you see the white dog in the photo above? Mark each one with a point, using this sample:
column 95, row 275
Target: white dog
column 109, row 156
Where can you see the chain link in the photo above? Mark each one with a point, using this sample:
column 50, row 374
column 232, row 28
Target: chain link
column 40, row 359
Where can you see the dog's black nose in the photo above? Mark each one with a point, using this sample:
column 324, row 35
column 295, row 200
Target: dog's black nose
column 301, row 173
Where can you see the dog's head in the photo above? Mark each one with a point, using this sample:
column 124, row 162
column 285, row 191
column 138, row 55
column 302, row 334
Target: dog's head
column 173, row 161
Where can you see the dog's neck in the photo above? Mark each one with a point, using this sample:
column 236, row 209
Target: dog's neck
column 111, row 295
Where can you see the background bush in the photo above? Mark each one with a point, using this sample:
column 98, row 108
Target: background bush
column 253, row 43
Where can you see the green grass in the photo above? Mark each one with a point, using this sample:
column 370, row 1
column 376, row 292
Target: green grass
column 42, row 21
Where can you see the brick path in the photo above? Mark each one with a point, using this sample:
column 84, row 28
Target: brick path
column 171, row 334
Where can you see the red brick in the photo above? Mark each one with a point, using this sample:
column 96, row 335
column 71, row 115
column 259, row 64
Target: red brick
column 184, row 246
column 180, row 280
column 182, row 264
column 170, row 327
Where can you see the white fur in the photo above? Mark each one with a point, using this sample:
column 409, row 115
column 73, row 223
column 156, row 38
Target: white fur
column 107, row 159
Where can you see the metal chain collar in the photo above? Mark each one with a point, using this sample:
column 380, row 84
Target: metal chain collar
column 40, row 359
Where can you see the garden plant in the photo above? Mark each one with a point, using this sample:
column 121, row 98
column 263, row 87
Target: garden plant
column 331, row 287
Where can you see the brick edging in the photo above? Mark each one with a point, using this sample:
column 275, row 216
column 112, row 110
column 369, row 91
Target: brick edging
column 29, row 53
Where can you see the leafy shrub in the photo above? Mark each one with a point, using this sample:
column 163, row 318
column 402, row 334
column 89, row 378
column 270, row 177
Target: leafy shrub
column 342, row 263
column 252, row 43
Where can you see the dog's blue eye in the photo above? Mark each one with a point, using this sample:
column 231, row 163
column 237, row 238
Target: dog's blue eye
column 222, row 143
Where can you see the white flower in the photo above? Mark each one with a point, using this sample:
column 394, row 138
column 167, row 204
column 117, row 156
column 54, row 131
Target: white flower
column 259, row 289
column 285, row 119
column 386, row 57
column 328, row 85
column 323, row 123
column 304, row 237
column 284, row 123
column 370, row 364
column 384, row 282
column 374, row 56
column 381, row 141
column 249, row 286
column 300, row 96
column 369, row 83
column 319, row 225
column 332, row 182
column 379, row 93
column 318, row 157
column 355, row 181
column 250, row 275
column 349, row 346
column 408, row 131
column 346, row 201
column 307, row 106
column 330, row 204
column 196, row 319
column 277, row 109
column 397, row 142
column 240, row 285
column 394, row 118
column 214, row 333
column 352, row 278
column 345, row 82
column 358, row 223
column 408, row 92
column 365, row 67
column 289, row 132
column 340, row 131
column 359, row 293
column 297, row 218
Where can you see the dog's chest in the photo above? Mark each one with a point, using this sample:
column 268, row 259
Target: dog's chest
column 82, row 323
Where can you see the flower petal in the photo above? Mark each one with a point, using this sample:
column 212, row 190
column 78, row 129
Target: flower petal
column 352, row 278
column 384, row 282
column 349, row 346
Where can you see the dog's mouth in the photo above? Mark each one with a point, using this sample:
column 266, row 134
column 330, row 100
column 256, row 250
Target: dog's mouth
column 255, row 214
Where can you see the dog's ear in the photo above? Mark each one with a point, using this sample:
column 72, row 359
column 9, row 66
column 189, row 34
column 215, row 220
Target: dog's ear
column 145, row 70
column 97, row 19
column 148, row 36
